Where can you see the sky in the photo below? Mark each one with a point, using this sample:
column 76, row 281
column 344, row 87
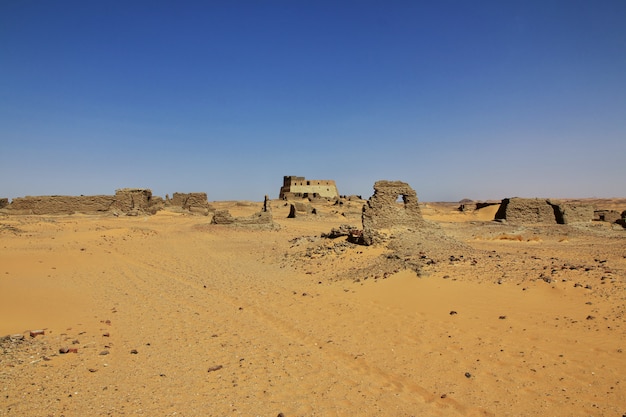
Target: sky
column 460, row 99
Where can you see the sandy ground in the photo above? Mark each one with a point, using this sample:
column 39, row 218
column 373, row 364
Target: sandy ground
column 167, row 315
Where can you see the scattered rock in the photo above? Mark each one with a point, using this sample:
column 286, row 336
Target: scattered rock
column 215, row 368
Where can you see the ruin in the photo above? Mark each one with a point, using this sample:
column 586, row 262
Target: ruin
column 300, row 187
column 261, row 219
column 576, row 213
column 192, row 202
column 126, row 200
column 468, row 206
column 137, row 200
column 299, row 208
column 4, row 202
column 610, row 216
column 542, row 211
column 383, row 213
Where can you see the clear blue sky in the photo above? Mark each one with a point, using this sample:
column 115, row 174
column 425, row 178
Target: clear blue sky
column 476, row 99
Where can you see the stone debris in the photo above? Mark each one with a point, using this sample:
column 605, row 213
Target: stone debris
column 215, row 368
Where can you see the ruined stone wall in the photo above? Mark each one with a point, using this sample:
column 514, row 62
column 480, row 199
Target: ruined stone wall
column 299, row 187
column 577, row 213
column 611, row 216
column 194, row 202
column 526, row 211
column 261, row 219
column 4, row 202
column 60, row 204
column 383, row 211
column 125, row 201
column 543, row 211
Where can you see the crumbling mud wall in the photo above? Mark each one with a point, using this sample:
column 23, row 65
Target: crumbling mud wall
column 300, row 209
column 57, row 204
column 127, row 200
column 526, row 211
column 468, row 206
column 262, row 219
column 576, row 213
column 194, row 202
column 4, row 202
column 542, row 211
column 137, row 200
column 610, row 216
column 383, row 212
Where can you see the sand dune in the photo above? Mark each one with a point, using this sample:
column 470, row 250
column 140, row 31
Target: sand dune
column 172, row 316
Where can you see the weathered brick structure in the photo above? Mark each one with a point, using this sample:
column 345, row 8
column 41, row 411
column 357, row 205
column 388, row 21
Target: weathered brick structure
column 126, row 200
column 383, row 212
column 542, row 211
column 193, row 202
column 300, row 187
column 4, row 202
column 262, row 219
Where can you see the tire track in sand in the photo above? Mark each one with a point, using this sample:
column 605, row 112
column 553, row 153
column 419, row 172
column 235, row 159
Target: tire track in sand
column 368, row 377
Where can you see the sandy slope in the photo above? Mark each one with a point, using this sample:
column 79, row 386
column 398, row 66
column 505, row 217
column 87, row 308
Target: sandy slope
column 248, row 322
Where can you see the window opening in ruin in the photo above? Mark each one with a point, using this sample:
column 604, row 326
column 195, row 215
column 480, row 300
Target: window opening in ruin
column 401, row 199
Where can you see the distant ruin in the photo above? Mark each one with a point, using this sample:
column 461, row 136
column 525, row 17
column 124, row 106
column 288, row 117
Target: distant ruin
column 262, row 219
column 610, row 216
column 543, row 211
column 300, row 187
column 384, row 213
column 300, row 209
column 192, row 202
column 126, row 200
column 468, row 206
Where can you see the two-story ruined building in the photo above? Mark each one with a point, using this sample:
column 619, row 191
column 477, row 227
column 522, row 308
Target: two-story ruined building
column 299, row 187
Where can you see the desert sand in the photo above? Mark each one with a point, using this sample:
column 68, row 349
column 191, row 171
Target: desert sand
column 167, row 315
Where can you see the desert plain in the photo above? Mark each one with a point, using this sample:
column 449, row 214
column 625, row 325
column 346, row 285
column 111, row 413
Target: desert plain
column 169, row 315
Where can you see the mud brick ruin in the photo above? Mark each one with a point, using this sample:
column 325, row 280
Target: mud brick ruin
column 125, row 200
column 299, row 208
column 128, row 201
column 261, row 219
column 300, row 187
column 383, row 213
column 193, row 202
column 543, row 211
